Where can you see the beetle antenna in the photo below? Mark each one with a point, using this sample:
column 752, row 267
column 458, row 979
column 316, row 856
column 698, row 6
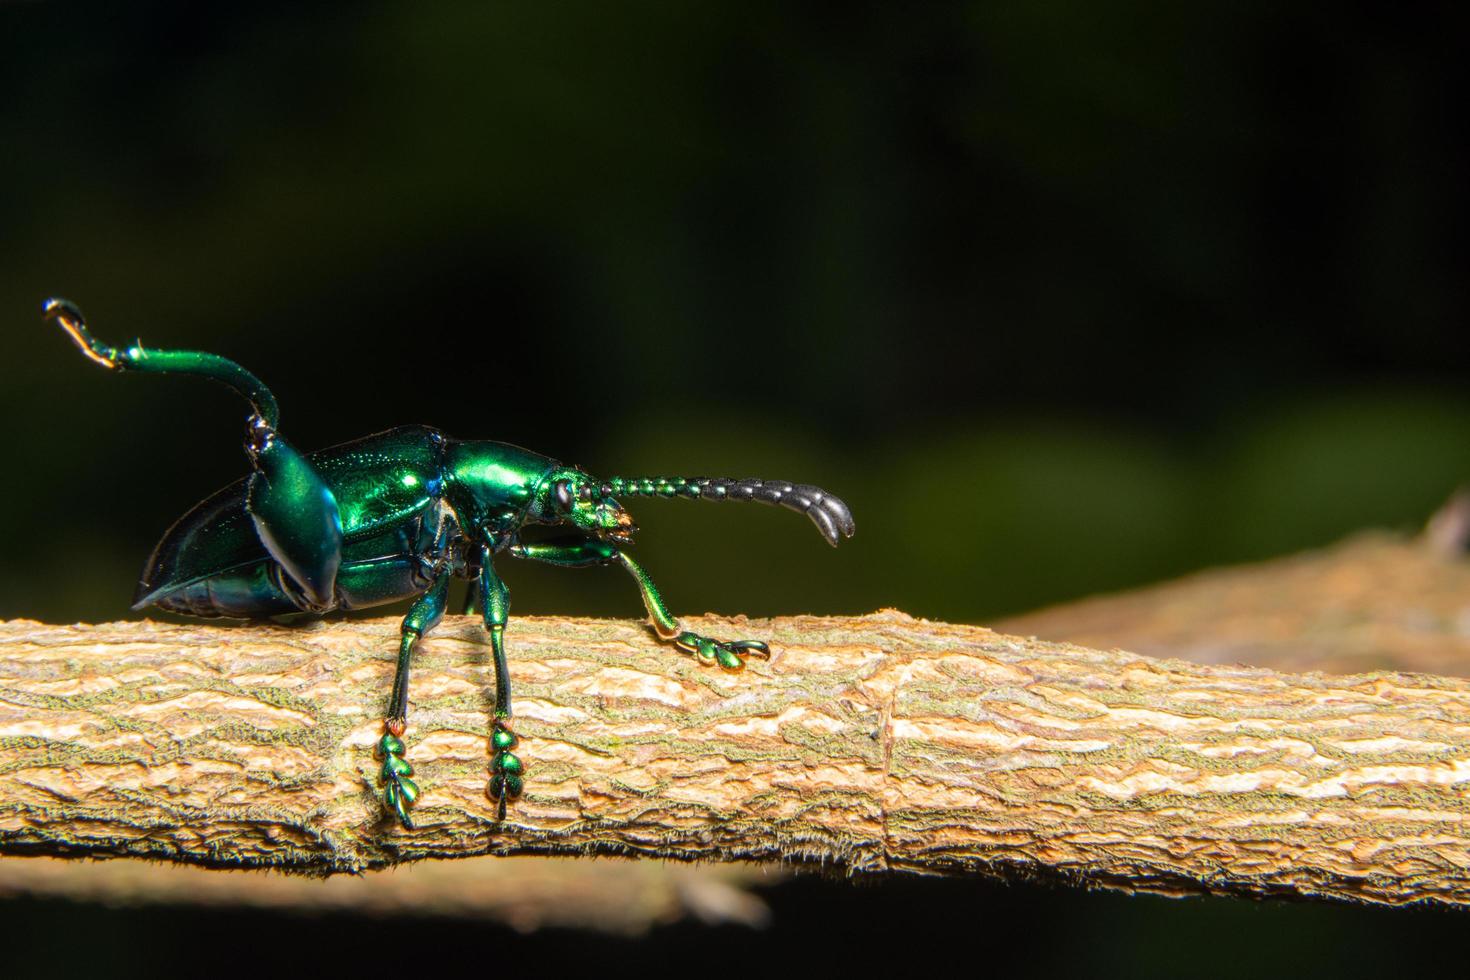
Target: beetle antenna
column 831, row 516
column 136, row 358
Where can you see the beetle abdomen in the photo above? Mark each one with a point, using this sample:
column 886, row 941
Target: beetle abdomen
column 381, row 481
column 256, row 590
column 241, row 593
column 213, row 539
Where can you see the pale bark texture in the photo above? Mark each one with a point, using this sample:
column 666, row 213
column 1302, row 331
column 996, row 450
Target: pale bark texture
column 867, row 743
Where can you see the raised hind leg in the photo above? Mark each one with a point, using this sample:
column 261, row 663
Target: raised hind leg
column 399, row 791
column 294, row 511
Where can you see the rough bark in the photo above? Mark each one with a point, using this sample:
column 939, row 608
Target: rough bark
column 869, row 743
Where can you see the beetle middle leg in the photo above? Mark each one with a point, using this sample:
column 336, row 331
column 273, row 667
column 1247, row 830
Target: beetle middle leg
column 581, row 552
column 400, row 791
column 506, row 771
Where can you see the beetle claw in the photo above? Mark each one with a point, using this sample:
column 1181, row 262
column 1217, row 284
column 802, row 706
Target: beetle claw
column 751, row 648
column 729, row 654
column 69, row 315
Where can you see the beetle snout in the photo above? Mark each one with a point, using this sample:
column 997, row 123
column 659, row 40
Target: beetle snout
column 621, row 529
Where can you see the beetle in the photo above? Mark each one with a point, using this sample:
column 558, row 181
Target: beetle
column 397, row 515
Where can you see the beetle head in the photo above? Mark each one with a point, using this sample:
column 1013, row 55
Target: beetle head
column 598, row 515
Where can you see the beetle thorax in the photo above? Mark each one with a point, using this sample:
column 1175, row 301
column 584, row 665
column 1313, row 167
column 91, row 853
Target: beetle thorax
column 493, row 486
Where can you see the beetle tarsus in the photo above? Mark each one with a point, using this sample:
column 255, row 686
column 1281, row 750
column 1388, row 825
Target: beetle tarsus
column 729, row 654
column 399, row 791
column 69, row 316
column 507, row 773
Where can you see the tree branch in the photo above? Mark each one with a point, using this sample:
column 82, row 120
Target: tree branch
column 870, row 743
column 1377, row 601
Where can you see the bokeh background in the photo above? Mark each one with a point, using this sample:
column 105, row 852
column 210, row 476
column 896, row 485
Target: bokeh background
column 1061, row 297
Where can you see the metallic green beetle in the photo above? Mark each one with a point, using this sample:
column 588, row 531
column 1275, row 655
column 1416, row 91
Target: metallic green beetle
column 395, row 516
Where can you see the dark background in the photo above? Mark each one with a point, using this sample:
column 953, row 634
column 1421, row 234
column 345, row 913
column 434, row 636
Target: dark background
column 1061, row 297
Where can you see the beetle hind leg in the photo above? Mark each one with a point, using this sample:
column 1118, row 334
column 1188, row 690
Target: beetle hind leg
column 294, row 510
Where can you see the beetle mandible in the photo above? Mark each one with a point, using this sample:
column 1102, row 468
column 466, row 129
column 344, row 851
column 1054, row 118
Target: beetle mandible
column 397, row 515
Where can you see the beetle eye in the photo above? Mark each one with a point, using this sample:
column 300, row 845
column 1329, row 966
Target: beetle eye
column 561, row 495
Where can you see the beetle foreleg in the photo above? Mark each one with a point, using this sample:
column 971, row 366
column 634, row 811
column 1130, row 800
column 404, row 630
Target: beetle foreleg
column 506, row 771
column 400, row 791
column 580, row 552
